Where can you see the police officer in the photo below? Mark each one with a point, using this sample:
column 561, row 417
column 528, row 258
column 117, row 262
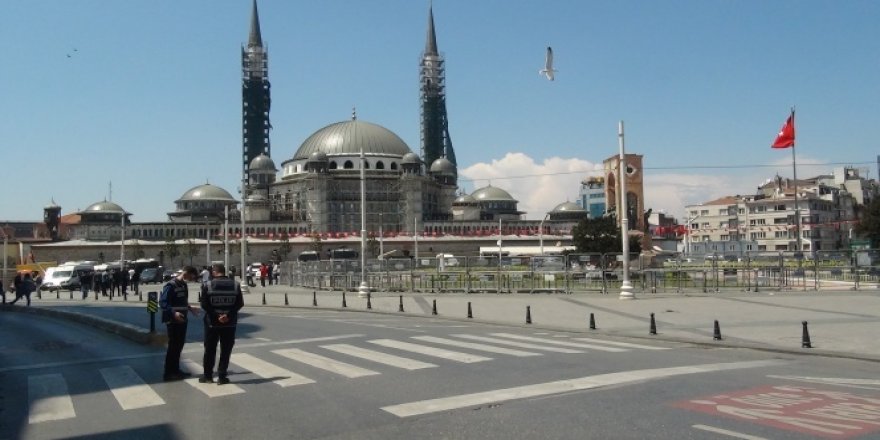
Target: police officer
column 221, row 301
column 175, row 304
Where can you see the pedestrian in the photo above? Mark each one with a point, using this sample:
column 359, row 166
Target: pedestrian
column 276, row 272
column 16, row 283
column 221, row 301
column 25, row 289
column 264, row 273
column 270, row 275
column 249, row 275
column 85, row 281
column 2, row 292
column 175, row 304
column 135, row 282
column 205, row 274
column 106, row 283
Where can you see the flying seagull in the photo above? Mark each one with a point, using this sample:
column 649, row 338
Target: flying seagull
column 548, row 69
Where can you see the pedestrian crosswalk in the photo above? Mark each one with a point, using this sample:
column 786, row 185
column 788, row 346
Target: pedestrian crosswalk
column 50, row 400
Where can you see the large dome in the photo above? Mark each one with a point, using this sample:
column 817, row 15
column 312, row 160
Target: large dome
column 347, row 138
column 568, row 207
column 105, row 207
column 206, row 192
column 491, row 193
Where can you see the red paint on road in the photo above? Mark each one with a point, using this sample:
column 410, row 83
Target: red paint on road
column 823, row 413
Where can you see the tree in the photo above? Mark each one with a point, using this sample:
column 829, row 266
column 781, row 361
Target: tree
column 191, row 250
column 600, row 235
column 316, row 245
column 372, row 245
column 284, row 249
column 869, row 222
column 172, row 250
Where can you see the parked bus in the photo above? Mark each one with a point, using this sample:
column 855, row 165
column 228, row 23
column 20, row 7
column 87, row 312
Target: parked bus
column 343, row 254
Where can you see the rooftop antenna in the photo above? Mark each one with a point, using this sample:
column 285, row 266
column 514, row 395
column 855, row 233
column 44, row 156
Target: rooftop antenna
column 110, row 191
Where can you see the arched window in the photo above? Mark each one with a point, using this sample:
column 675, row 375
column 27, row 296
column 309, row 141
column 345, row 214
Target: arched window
column 366, row 164
column 380, row 165
column 348, row 165
column 393, row 165
column 333, row 165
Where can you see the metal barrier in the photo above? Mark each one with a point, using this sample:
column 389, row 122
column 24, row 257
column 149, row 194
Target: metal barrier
column 600, row 273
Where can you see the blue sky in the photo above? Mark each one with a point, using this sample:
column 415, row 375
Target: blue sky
column 146, row 94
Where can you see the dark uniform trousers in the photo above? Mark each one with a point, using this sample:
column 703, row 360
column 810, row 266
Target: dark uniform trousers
column 226, row 336
column 176, row 339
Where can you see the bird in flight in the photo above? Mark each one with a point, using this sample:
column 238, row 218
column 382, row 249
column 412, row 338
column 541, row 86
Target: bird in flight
column 548, row 69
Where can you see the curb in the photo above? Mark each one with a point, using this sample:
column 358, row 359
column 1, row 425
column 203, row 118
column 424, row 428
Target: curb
column 126, row 331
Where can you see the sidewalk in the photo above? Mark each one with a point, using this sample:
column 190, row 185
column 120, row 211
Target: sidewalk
column 840, row 323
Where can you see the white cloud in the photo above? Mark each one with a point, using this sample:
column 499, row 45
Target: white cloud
column 540, row 186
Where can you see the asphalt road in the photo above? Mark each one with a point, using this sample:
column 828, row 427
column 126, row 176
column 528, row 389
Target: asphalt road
column 315, row 374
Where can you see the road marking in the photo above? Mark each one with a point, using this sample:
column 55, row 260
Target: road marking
column 562, row 343
column 476, row 346
column 289, row 341
column 378, row 356
column 325, row 363
column 210, row 389
column 869, row 384
column 518, row 344
column 49, row 399
column 266, row 370
column 263, row 339
column 621, row 344
column 727, row 432
column 431, row 351
column 562, row 386
column 129, row 389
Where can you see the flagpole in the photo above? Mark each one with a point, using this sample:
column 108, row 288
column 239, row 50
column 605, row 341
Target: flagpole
column 797, row 212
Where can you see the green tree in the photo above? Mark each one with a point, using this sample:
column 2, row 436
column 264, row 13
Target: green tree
column 372, row 245
column 191, row 250
column 869, row 222
column 600, row 235
column 172, row 250
column 317, row 244
column 285, row 249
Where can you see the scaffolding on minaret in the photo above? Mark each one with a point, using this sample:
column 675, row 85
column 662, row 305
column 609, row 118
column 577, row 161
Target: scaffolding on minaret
column 436, row 142
column 256, row 97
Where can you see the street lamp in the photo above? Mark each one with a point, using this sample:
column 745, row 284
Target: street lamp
column 625, row 286
column 687, row 235
column 541, row 232
column 381, row 235
column 364, row 289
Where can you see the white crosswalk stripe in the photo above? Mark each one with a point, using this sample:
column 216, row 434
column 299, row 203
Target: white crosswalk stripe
column 517, row 344
column 430, row 351
column 49, row 399
column 378, row 356
column 325, row 363
column 477, row 346
column 621, row 344
column 129, row 389
column 266, row 370
column 210, row 389
column 558, row 342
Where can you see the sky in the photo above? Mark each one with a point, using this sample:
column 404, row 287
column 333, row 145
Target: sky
column 145, row 97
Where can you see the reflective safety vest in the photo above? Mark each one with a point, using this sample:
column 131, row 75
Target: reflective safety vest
column 220, row 298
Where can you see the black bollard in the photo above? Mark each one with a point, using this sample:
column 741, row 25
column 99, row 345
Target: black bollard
column 264, row 298
column 39, row 294
column 592, row 322
column 125, row 296
column 400, row 308
column 96, row 296
column 805, row 340
column 141, row 296
column 653, row 325
column 58, row 294
column 717, row 335
column 286, row 301
column 470, row 312
column 343, row 299
column 71, row 293
column 369, row 303
column 314, row 299
column 434, row 308
column 528, row 314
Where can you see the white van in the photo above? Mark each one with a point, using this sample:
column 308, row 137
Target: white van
column 66, row 276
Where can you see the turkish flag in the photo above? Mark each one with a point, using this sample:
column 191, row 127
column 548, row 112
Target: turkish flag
column 785, row 138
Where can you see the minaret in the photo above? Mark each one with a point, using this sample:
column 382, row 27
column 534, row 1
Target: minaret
column 255, row 97
column 436, row 142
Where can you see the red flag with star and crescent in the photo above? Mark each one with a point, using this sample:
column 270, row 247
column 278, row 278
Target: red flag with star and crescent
column 785, row 138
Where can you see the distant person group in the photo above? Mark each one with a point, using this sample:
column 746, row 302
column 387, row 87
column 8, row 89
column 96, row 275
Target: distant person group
column 23, row 285
column 220, row 299
column 268, row 273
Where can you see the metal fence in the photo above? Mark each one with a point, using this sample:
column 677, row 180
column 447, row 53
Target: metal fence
column 676, row 273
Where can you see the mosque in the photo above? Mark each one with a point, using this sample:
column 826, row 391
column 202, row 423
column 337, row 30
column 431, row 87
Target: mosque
column 316, row 192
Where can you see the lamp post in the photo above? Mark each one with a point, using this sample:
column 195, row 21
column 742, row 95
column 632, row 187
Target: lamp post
column 381, row 235
column 625, row 286
column 226, row 236
column 244, row 285
column 122, row 242
column 364, row 289
column 687, row 235
column 541, row 233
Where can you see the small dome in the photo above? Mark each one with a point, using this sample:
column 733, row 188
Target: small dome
column 491, row 193
column 207, row 192
column 348, row 137
column 568, row 207
column 464, row 199
column 443, row 166
column 105, row 206
column 318, row 156
column 262, row 163
column 52, row 205
column 410, row 158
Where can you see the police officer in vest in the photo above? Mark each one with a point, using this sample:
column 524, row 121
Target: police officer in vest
column 175, row 305
column 221, row 301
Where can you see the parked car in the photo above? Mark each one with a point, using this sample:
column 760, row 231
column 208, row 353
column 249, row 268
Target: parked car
column 151, row 275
